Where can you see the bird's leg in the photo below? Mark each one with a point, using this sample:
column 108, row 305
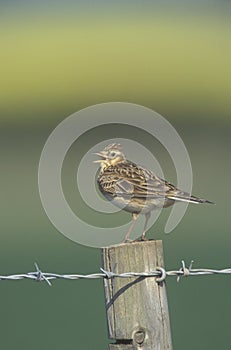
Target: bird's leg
column 147, row 217
column 134, row 218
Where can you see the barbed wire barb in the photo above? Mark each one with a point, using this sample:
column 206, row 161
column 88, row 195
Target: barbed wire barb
column 185, row 270
column 41, row 276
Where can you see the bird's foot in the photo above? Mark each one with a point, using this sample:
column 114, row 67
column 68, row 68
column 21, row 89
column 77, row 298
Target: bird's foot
column 128, row 240
column 143, row 237
column 140, row 239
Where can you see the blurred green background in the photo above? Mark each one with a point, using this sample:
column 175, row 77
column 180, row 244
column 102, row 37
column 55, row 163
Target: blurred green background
column 58, row 57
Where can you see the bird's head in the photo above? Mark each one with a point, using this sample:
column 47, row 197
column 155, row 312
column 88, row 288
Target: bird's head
column 111, row 155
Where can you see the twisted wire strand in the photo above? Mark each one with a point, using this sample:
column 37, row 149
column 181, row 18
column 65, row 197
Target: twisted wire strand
column 160, row 273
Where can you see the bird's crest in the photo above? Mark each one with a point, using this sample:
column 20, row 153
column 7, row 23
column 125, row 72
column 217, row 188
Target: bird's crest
column 113, row 146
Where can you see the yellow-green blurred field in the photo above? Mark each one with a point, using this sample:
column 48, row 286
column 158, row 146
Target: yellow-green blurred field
column 58, row 57
column 169, row 59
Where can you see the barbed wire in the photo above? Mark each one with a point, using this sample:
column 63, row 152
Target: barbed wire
column 160, row 273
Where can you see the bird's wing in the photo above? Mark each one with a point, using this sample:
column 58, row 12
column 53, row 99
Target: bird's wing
column 128, row 179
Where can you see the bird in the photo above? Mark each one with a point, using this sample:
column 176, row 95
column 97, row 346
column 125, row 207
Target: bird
column 134, row 188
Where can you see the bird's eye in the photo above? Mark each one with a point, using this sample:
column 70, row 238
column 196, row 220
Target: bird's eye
column 113, row 154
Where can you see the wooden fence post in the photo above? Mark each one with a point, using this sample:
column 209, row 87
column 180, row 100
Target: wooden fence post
column 137, row 308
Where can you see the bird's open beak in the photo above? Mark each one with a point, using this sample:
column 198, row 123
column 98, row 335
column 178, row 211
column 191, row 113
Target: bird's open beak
column 102, row 155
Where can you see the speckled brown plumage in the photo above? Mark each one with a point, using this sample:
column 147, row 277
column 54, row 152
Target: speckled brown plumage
column 134, row 188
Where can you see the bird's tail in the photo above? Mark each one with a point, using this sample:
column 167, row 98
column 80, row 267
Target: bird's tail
column 186, row 197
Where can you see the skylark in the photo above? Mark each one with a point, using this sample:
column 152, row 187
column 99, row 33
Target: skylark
column 134, row 188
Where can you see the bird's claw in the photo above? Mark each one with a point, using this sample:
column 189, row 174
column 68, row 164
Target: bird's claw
column 143, row 238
